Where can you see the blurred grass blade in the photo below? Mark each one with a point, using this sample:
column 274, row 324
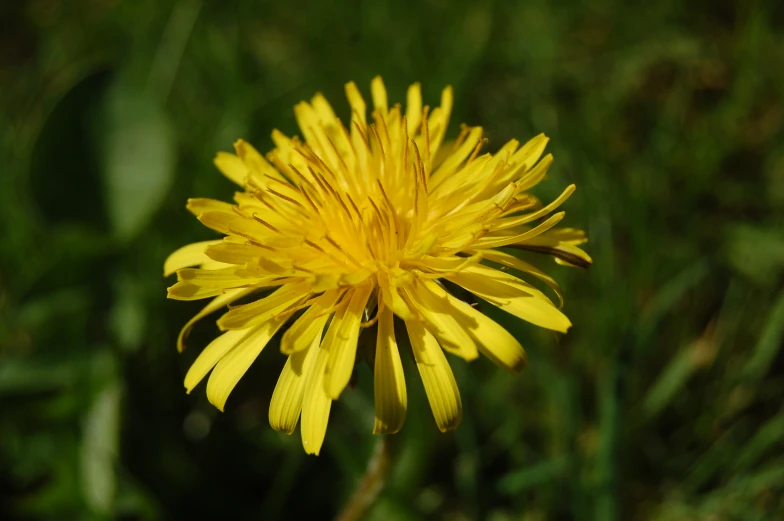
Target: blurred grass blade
column 609, row 396
column 766, row 437
column 667, row 298
column 769, row 342
column 698, row 354
column 671, row 380
column 713, row 459
column 138, row 158
column 523, row 479
column 28, row 375
column 167, row 59
column 99, row 449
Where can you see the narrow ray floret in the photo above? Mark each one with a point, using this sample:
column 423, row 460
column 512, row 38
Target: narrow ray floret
column 354, row 226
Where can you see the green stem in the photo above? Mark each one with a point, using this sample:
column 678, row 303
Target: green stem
column 371, row 484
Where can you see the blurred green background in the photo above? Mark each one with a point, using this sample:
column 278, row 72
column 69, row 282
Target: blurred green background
column 664, row 401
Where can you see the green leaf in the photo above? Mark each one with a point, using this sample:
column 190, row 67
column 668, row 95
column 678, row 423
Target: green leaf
column 127, row 316
column 99, row 449
column 138, row 158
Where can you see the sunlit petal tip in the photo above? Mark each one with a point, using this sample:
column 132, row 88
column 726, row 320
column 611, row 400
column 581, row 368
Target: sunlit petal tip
column 184, row 290
column 190, row 255
column 241, row 147
column 232, row 167
column 447, row 95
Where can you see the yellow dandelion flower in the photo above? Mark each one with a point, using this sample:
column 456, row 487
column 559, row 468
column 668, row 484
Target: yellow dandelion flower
column 354, row 225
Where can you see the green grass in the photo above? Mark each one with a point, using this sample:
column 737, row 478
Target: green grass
column 664, row 400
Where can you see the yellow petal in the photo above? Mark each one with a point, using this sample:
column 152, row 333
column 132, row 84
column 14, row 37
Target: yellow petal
column 257, row 165
column 561, row 243
column 568, row 255
column 286, row 402
column 285, row 151
column 219, row 220
column 341, row 342
column 519, row 220
column 513, row 262
column 324, row 110
column 530, row 153
column 301, row 333
column 453, row 160
column 447, row 100
column 438, row 122
column 237, row 361
column 226, row 298
column 224, row 278
column 358, row 107
column 190, row 255
column 430, row 299
column 212, row 265
column 535, row 174
column 568, row 235
column 392, row 298
column 389, row 384
column 314, row 134
column 494, row 241
column 232, row 167
column 255, row 313
column 211, row 355
column 437, row 377
column 413, row 108
column 379, row 94
column 447, row 264
column 234, row 253
column 512, row 295
column 199, row 206
column 187, row 291
column 493, row 341
column 422, row 245
column 316, row 403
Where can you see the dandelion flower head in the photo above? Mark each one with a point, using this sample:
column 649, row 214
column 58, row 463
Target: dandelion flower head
column 355, row 226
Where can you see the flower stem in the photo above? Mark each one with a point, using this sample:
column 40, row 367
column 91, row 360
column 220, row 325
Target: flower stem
column 371, row 484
